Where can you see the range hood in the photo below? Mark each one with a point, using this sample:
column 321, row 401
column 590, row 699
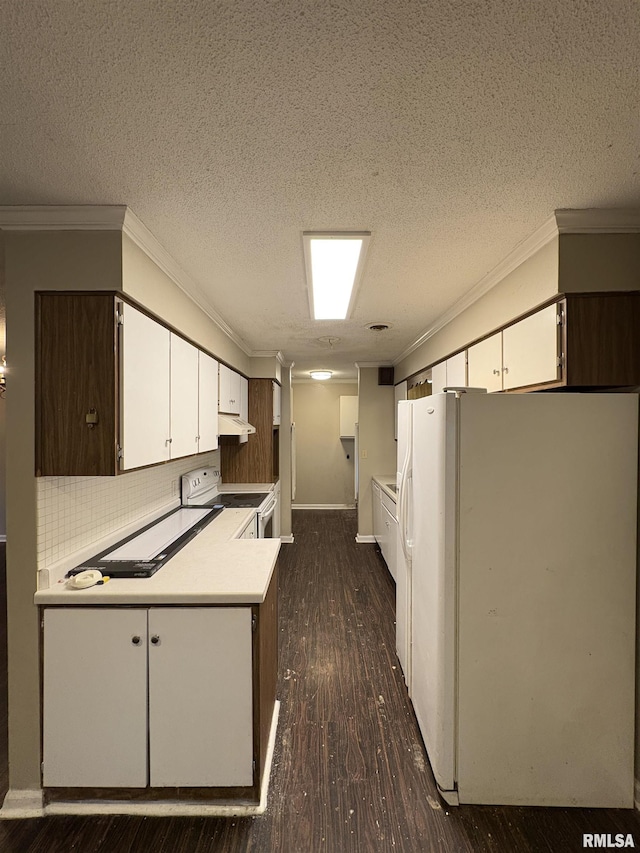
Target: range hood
column 233, row 425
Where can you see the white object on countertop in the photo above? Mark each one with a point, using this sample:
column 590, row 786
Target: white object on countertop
column 85, row 579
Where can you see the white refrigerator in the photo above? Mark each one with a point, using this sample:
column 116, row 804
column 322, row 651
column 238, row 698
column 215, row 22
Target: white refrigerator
column 518, row 513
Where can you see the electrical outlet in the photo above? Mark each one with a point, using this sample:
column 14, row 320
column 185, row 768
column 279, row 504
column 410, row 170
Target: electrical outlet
column 174, row 487
column 363, row 454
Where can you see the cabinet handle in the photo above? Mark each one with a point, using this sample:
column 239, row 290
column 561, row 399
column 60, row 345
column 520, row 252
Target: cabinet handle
column 155, row 640
column 496, row 372
column 505, row 369
column 135, row 640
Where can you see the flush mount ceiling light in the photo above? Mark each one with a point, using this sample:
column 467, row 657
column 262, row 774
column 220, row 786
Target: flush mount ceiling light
column 320, row 374
column 333, row 261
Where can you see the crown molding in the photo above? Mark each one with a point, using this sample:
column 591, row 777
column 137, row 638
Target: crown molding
column 137, row 231
column 562, row 221
column 373, row 364
column 113, row 217
column 614, row 220
column 524, row 250
column 268, row 353
column 62, row 217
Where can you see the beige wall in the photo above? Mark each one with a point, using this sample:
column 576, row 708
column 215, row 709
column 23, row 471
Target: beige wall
column 593, row 262
column 534, row 281
column 86, row 260
column 144, row 281
column 324, row 475
column 376, row 431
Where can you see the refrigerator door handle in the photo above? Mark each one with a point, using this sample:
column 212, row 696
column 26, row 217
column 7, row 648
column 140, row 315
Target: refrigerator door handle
column 402, row 496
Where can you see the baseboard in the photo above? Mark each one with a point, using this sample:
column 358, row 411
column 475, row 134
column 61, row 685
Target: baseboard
column 365, row 539
column 22, row 804
column 323, row 506
column 636, row 792
column 287, row 540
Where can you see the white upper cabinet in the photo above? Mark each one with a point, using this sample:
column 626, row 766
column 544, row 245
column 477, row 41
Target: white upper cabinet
column 485, row 363
column 184, row 397
column 230, row 391
column 244, row 406
column 207, row 402
column 521, row 355
column 452, row 372
column 348, row 416
column 457, row 370
column 144, row 390
column 438, row 377
column 277, row 404
column 530, row 350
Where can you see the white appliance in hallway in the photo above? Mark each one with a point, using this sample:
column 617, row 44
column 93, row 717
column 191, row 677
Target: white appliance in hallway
column 519, row 515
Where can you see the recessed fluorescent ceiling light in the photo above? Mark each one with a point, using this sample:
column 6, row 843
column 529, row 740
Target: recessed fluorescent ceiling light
column 334, row 262
column 320, row 374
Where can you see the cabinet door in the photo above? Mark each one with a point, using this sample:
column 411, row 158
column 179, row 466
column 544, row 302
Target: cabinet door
column 95, row 698
column 200, row 696
column 244, row 405
column 377, row 512
column 277, row 404
column 144, row 390
column 389, row 545
column 229, row 391
column 184, row 397
column 207, row 402
column 484, row 364
column 438, row 377
column 348, row 416
column 530, row 350
column 457, row 370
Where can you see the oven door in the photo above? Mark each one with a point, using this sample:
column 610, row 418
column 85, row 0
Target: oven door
column 265, row 519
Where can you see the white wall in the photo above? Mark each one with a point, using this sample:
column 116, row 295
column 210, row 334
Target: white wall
column 325, row 477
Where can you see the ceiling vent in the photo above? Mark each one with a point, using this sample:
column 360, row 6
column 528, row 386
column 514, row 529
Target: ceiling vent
column 378, row 327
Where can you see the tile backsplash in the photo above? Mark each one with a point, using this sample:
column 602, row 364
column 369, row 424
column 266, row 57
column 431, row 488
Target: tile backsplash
column 74, row 512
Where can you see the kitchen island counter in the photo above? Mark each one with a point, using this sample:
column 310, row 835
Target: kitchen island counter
column 212, row 568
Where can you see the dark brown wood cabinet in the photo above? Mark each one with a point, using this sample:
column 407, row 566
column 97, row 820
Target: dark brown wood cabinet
column 77, row 412
column 255, row 461
column 600, row 340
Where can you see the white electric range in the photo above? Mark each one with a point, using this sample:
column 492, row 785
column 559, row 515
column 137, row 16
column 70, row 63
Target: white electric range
column 202, row 488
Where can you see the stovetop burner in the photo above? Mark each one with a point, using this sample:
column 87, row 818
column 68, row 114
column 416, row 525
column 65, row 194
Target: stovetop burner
column 246, row 500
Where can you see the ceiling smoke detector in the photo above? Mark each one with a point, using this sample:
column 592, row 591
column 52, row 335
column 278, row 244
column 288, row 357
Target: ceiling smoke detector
column 378, row 327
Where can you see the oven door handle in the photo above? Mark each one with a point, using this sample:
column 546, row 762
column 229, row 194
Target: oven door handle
column 266, row 513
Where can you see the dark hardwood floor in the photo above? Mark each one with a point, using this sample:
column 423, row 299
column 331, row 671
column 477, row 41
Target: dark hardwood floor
column 350, row 772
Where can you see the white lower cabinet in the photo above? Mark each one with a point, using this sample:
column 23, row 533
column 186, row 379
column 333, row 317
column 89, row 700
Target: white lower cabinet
column 200, row 698
column 147, row 696
column 385, row 526
column 388, row 545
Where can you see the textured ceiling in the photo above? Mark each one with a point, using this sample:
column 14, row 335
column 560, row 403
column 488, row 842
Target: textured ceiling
column 450, row 130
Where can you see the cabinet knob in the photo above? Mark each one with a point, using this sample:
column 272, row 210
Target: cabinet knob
column 136, row 641
column 155, row 640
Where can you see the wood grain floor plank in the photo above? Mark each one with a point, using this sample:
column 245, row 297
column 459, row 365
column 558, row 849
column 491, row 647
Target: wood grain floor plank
column 350, row 773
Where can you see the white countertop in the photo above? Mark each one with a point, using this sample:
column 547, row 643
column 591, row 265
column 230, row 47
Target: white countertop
column 384, row 481
column 213, row 568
